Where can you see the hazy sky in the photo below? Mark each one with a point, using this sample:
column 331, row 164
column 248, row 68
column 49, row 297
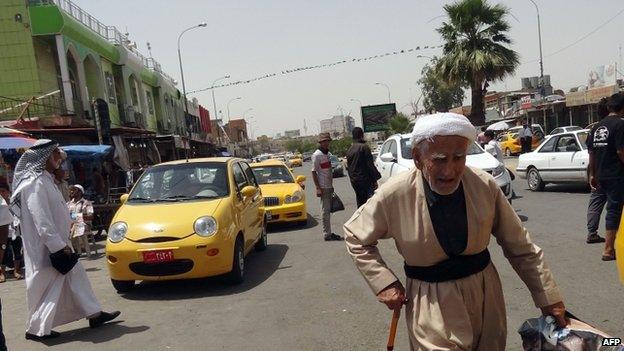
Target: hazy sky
column 247, row 39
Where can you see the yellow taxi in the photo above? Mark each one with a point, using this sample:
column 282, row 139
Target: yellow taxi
column 295, row 161
column 284, row 195
column 509, row 143
column 187, row 219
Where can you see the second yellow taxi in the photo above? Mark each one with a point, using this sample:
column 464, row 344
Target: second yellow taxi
column 284, row 195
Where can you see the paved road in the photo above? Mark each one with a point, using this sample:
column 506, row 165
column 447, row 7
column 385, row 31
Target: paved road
column 305, row 294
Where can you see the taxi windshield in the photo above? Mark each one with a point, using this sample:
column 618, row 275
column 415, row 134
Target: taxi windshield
column 272, row 175
column 182, row 182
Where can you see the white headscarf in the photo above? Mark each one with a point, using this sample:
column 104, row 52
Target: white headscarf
column 442, row 124
column 29, row 167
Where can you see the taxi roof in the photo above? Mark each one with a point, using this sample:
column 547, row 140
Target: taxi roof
column 269, row 162
column 200, row 160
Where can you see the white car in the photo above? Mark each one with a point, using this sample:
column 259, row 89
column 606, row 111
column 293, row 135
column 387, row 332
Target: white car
column 561, row 158
column 565, row 129
column 396, row 157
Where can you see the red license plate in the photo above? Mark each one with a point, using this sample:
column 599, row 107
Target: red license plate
column 157, row 256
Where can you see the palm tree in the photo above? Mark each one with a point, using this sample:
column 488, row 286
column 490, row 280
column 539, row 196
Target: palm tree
column 475, row 49
column 400, row 124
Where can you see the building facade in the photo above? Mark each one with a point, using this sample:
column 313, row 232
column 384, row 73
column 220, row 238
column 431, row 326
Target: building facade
column 73, row 71
column 338, row 126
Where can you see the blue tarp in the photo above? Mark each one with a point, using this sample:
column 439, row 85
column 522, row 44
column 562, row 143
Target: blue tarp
column 87, row 151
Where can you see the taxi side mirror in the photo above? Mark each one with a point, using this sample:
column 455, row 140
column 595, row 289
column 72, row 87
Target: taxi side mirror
column 300, row 179
column 123, row 198
column 248, row 191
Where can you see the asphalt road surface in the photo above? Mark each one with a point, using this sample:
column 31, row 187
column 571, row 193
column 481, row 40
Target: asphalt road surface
column 305, row 294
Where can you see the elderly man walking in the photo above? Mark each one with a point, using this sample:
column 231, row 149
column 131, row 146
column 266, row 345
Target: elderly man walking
column 53, row 298
column 441, row 216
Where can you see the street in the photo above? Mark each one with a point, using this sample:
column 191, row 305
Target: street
column 305, row 294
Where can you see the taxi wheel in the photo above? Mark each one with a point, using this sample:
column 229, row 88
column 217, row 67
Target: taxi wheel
column 236, row 276
column 122, row 286
column 263, row 243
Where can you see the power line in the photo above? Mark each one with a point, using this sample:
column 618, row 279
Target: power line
column 307, row 68
column 581, row 38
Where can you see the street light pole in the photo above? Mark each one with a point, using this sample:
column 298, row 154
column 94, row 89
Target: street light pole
column 539, row 34
column 203, row 24
column 387, row 87
column 214, row 105
column 228, row 106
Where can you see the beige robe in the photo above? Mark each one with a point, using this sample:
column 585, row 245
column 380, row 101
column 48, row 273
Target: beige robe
column 463, row 314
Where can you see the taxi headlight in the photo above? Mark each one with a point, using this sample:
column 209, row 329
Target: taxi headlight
column 296, row 197
column 205, row 226
column 498, row 171
column 117, row 232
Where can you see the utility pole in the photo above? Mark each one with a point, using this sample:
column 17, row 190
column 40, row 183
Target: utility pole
column 539, row 35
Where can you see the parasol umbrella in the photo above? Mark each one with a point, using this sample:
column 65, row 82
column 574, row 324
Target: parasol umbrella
column 16, row 142
column 4, row 131
column 502, row 125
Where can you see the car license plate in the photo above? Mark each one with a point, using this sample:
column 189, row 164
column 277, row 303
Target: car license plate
column 157, row 256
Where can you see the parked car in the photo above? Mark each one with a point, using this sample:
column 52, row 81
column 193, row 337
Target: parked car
column 538, row 131
column 396, row 157
column 187, row 219
column 307, row 156
column 284, row 195
column 337, row 166
column 565, row 130
column 562, row 158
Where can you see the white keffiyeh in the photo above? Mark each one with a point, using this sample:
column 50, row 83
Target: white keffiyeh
column 442, row 124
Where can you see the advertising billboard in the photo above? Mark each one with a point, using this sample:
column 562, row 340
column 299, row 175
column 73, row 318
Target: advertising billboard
column 375, row 118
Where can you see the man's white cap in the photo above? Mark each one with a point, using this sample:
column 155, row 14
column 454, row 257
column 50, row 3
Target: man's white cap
column 442, row 124
column 79, row 187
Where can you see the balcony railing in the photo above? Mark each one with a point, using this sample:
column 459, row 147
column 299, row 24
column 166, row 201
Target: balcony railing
column 110, row 33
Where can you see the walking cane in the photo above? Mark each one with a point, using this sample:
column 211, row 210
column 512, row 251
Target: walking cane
column 393, row 328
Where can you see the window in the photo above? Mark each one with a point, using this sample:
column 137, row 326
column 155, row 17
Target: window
column 250, row 174
column 567, row 143
column 406, row 148
column 273, row 175
column 181, row 182
column 583, row 139
column 385, row 148
column 393, row 148
column 239, row 176
column 556, row 131
column 549, row 145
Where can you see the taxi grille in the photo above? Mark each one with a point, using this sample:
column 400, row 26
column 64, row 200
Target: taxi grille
column 162, row 269
column 271, row 201
column 158, row 239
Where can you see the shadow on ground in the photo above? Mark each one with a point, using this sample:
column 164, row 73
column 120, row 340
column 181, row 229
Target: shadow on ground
column 105, row 333
column 259, row 266
column 292, row 227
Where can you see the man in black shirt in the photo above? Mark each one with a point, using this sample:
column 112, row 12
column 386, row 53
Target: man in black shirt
column 362, row 171
column 605, row 143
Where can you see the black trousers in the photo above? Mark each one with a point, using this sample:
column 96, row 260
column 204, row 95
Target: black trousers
column 363, row 192
column 525, row 143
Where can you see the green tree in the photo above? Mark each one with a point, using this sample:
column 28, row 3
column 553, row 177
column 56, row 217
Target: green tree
column 475, row 49
column 293, row 145
column 308, row 146
column 339, row 147
column 400, row 124
column 438, row 94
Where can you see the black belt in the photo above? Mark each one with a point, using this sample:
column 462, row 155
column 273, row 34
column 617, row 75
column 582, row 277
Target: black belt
column 456, row 267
